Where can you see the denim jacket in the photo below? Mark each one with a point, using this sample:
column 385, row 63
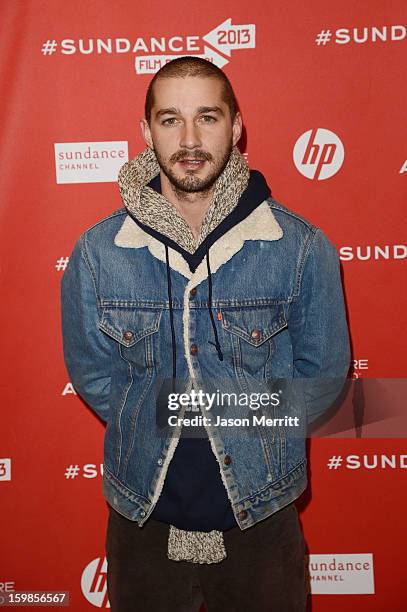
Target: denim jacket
column 279, row 314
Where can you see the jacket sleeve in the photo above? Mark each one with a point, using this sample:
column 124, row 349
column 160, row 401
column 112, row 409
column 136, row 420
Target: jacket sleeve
column 87, row 351
column 318, row 329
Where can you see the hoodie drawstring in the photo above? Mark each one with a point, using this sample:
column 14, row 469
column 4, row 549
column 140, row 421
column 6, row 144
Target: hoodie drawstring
column 174, row 350
column 215, row 332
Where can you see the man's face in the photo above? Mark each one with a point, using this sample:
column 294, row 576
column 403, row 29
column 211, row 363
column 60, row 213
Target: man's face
column 191, row 131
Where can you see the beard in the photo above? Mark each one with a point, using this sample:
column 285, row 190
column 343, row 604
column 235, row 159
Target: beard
column 192, row 183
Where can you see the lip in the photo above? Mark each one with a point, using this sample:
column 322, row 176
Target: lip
column 192, row 163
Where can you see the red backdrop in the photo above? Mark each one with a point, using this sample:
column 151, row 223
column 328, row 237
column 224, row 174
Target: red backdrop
column 322, row 95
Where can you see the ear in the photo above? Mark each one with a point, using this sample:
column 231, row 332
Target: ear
column 237, row 128
column 145, row 130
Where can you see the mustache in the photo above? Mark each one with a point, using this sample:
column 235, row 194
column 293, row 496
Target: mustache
column 198, row 156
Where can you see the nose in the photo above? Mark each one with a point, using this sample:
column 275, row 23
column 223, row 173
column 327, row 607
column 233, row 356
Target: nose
column 190, row 135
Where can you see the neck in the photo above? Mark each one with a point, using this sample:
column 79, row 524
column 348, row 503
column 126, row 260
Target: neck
column 191, row 206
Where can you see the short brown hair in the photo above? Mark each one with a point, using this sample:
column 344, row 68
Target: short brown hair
column 191, row 65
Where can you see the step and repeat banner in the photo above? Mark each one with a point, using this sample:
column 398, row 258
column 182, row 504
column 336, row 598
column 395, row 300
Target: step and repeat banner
column 322, row 91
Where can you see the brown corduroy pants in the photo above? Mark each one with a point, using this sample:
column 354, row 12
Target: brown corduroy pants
column 264, row 570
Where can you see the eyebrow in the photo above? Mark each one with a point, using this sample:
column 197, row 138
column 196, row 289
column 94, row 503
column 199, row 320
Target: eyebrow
column 202, row 109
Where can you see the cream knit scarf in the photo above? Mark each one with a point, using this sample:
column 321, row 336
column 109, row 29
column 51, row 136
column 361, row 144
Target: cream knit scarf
column 153, row 209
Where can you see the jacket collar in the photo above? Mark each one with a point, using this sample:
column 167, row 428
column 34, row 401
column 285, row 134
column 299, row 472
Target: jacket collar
column 261, row 224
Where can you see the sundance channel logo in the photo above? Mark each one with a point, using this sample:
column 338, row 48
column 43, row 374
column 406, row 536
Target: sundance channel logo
column 89, row 162
column 342, row 574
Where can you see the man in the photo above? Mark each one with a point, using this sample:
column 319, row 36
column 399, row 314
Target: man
column 202, row 278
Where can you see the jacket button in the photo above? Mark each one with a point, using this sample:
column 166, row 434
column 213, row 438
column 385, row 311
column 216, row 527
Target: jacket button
column 128, row 335
column 193, row 291
column 227, row 460
column 142, row 513
column 242, row 515
column 255, row 334
column 194, row 349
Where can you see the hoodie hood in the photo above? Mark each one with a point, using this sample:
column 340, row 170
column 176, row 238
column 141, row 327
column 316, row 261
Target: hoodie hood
column 158, row 217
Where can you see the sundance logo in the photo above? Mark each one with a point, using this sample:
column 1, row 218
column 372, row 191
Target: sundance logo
column 89, row 162
column 215, row 46
column 342, row 574
column 374, row 251
column 373, row 462
column 318, row 154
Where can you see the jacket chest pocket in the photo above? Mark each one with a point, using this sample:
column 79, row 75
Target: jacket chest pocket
column 248, row 334
column 136, row 333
